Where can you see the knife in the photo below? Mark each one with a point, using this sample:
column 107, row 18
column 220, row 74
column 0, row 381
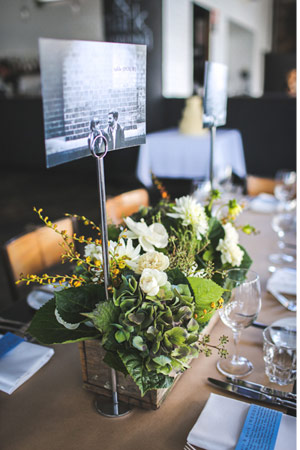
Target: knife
column 263, row 389
column 283, row 300
column 251, row 393
column 274, row 327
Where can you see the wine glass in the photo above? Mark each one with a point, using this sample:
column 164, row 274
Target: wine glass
column 201, row 189
column 238, row 313
column 282, row 224
column 285, row 189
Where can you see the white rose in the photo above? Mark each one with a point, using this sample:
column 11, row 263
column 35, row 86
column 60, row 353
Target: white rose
column 152, row 260
column 158, row 235
column 230, row 251
column 149, row 237
column 151, row 280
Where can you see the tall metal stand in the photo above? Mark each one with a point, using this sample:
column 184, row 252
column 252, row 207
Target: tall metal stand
column 211, row 162
column 104, row 405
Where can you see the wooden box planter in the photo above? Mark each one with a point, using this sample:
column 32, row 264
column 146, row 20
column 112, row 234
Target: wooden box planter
column 97, row 376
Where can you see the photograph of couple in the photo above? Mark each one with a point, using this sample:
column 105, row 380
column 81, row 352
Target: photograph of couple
column 113, row 133
column 91, row 89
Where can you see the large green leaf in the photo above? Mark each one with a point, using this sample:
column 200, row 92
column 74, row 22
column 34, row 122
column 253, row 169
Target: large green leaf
column 246, row 261
column 175, row 276
column 45, row 328
column 103, row 316
column 215, row 230
column 113, row 360
column 71, row 302
column 144, row 379
column 205, row 291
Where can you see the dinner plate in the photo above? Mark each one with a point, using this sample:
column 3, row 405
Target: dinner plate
column 36, row 299
column 264, row 203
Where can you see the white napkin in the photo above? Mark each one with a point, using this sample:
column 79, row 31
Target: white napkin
column 220, row 424
column 20, row 363
column 284, row 281
column 265, row 203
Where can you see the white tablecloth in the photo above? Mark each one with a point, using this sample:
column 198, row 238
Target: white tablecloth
column 170, row 154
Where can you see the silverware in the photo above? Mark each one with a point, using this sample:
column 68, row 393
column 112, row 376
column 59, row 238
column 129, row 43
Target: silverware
column 258, row 325
column 282, row 245
column 263, row 389
column 273, row 269
column 189, row 446
column 288, row 304
column 275, row 327
column 12, row 322
column 18, row 332
column 251, row 393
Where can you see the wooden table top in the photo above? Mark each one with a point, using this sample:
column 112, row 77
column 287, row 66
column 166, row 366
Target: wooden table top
column 52, row 410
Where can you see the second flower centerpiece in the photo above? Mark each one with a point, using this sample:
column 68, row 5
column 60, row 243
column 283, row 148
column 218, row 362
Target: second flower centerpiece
column 166, row 268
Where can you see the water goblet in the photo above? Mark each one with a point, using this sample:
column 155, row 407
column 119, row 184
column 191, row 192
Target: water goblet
column 282, row 224
column 285, row 189
column 238, row 313
column 201, row 189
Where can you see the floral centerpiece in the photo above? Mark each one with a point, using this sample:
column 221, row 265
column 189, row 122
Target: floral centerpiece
column 166, row 266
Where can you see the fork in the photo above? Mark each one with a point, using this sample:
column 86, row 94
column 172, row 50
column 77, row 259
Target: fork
column 189, row 446
column 11, row 322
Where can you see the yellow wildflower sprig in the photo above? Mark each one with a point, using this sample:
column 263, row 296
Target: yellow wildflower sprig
column 67, row 243
column 72, row 280
column 248, row 229
column 163, row 192
column 234, row 210
column 86, row 222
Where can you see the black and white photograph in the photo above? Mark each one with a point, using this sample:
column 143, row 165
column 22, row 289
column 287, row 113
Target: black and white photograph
column 93, row 93
column 215, row 94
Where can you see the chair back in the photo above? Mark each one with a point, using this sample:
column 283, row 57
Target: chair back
column 34, row 252
column 256, row 185
column 125, row 204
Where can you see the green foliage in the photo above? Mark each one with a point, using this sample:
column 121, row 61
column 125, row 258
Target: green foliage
column 207, row 295
column 151, row 338
column 103, row 316
column 45, row 328
column 72, row 302
column 146, row 380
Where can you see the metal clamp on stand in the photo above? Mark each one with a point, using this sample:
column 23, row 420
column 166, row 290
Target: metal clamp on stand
column 105, row 406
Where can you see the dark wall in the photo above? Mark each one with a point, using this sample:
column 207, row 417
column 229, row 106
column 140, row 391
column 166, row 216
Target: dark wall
column 268, row 127
column 141, row 23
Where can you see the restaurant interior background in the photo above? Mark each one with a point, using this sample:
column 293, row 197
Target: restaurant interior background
column 255, row 38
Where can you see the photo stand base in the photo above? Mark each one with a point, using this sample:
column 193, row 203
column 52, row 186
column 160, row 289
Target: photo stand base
column 106, row 407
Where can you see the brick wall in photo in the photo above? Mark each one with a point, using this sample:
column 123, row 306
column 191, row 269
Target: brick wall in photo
column 97, row 80
column 53, row 105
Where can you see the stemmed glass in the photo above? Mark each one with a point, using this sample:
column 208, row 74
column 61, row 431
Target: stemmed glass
column 285, row 189
column 238, row 313
column 282, row 224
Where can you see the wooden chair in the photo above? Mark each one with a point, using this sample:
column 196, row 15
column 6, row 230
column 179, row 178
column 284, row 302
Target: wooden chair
column 256, row 185
column 34, row 252
column 125, row 204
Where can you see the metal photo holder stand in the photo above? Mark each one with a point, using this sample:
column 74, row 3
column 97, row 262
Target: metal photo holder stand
column 212, row 131
column 104, row 405
column 214, row 105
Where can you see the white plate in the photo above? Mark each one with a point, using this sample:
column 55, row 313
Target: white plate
column 36, row 299
column 264, row 203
